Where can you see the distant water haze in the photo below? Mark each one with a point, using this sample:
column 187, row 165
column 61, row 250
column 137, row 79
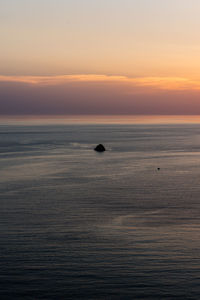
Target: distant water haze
column 98, row 119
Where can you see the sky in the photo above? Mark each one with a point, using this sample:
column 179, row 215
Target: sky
column 99, row 57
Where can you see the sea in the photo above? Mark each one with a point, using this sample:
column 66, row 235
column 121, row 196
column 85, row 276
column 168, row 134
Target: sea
column 78, row 224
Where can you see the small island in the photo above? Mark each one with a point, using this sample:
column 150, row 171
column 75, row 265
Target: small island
column 100, row 148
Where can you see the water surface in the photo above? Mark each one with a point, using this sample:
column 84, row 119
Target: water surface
column 76, row 224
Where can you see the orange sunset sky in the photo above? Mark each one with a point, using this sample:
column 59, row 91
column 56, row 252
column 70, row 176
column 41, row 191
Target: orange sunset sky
column 99, row 57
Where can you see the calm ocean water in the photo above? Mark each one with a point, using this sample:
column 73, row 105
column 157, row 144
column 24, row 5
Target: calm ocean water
column 76, row 224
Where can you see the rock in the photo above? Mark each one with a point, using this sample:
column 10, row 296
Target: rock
column 100, row 148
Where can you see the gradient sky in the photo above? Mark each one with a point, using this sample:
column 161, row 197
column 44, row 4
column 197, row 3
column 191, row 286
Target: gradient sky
column 99, row 57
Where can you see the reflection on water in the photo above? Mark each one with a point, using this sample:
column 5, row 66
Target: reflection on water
column 76, row 224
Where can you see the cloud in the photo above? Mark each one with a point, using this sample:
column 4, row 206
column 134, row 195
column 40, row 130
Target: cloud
column 98, row 94
column 160, row 83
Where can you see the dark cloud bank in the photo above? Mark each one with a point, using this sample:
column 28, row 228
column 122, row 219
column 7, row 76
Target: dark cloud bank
column 93, row 98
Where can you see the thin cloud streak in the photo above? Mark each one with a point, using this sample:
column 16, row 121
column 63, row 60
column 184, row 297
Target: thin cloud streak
column 160, row 83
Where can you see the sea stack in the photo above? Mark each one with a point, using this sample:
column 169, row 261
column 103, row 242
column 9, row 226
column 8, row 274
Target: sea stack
column 100, row 148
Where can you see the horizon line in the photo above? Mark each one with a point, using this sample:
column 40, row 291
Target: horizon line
column 98, row 119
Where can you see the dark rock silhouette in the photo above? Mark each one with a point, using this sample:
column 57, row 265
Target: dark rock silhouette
column 100, row 148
